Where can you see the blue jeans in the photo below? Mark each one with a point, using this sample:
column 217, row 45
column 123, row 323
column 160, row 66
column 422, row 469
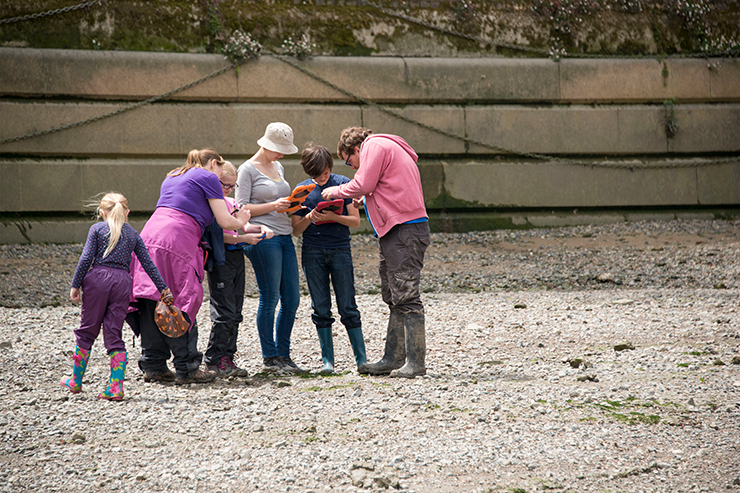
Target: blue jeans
column 321, row 266
column 276, row 270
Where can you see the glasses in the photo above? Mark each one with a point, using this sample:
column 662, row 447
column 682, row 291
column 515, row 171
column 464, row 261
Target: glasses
column 229, row 187
column 347, row 160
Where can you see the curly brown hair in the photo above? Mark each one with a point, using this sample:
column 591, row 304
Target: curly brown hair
column 352, row 137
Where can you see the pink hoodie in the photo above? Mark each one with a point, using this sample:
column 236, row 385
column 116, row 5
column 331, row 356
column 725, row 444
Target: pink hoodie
column 389, row 179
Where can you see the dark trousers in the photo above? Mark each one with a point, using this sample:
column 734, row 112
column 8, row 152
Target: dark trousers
column 226, row 286
column 156, row 347
column 401, row 253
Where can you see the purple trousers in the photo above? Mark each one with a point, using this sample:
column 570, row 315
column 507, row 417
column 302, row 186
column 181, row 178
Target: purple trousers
column 105, row 297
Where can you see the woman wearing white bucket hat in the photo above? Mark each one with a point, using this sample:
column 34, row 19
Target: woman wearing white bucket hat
column 262, row 188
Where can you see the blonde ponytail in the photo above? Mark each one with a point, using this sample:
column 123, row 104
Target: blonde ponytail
column 116, row 209
column 197, row 159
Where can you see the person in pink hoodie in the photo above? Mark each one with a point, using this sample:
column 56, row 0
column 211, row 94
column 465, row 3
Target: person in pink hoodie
column 388, row 179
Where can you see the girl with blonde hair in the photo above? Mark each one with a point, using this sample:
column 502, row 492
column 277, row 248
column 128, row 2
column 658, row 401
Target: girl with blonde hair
column 103, row 275
column 226, row 282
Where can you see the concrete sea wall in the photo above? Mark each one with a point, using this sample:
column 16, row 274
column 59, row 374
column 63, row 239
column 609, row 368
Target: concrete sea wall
column 598, row 127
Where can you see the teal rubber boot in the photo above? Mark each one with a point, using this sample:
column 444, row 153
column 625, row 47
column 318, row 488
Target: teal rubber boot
column 358, row 345
column 327, row 350
column 118, row 362
column 74, row 382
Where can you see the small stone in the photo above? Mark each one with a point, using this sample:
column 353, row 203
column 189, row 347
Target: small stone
column 282, row 383
column 78, row 438
column 624, row 346
column 368, row 466
column 718, row 362
column 735, row 360
column 605, row 277
column 520, row 305
column 257, row 428
column 587, row 378
column 6, row 345
column 623, row 301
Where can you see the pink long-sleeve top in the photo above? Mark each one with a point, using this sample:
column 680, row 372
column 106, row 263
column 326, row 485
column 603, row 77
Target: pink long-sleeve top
column 389, row 179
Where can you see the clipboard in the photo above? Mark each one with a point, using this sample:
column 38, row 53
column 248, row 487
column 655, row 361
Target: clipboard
column 336, row 206
column 297, row 197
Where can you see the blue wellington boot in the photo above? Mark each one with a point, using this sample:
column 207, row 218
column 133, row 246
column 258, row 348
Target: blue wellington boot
column 358, row 345
column 74, row 381
column 327, row 350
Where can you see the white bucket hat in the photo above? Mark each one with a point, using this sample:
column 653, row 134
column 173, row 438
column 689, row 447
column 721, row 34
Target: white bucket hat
column 278, row 138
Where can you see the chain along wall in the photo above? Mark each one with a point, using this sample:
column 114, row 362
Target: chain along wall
column 493, row 134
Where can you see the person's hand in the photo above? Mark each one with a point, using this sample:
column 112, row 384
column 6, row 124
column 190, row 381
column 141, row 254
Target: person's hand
column 281, row 204
column 166, row 297
column 267, row 232
column 74, row 295
column 328, row 193
column 243, row 215
column 318, row 216
column 359, row 202
column 253, row 238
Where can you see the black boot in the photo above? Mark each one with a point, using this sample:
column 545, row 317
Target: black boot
column 416, row 347
column 395, row 348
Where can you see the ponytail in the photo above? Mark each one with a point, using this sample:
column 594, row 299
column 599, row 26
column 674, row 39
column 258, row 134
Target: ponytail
column 197, row 159
column 116, row 209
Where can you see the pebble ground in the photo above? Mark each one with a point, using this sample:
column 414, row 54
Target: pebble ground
column 584, row 359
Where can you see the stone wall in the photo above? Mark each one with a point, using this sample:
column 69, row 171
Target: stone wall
column 609, row 113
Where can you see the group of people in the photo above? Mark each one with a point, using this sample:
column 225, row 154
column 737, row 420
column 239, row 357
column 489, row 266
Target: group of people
column 197, row 228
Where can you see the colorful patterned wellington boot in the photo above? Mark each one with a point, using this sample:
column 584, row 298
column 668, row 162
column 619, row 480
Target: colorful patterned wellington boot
column 114, row 392
column 74, row 382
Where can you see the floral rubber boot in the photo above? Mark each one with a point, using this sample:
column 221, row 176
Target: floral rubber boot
column 114, row 392
column 74, row 381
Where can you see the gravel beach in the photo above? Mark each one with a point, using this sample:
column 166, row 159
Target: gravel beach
column 578, row 359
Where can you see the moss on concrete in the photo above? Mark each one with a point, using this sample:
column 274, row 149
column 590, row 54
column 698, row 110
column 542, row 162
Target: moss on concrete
column 203, row 26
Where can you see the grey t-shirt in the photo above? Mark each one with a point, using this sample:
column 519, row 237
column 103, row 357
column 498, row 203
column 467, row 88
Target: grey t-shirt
column 256, row 188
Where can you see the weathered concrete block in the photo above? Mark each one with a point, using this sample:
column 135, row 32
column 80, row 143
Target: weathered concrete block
column 725, row 79
column 112, row 74
column 500, row 184
column 565, row 129
column 448, row 118
column 482, row 79
column 22, row 72
column 50, row 188
column 620, row 81
column 377, row 79
column 719, row 185
column 166, row 129
column 558, row 220
column 706, row 128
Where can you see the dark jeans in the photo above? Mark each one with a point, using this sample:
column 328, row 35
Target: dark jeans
column 276, row 270
column 157, row 347
column 401, row 260
column 226, row 286
column 321, row 267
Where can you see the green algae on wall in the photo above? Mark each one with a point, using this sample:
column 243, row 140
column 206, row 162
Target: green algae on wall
column 351, row 29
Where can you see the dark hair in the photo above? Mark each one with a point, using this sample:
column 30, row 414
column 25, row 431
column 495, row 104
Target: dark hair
column 315, row 159
column 352, row 137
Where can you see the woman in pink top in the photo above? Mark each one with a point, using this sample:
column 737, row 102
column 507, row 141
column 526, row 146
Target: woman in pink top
column 389, row 180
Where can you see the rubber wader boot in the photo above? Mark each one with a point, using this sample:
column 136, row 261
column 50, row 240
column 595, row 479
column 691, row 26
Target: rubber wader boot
column 74, row 382
column 416, row 348
column 118, row 362
column 395, row 348
column 327, row 350
column 358, row 345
